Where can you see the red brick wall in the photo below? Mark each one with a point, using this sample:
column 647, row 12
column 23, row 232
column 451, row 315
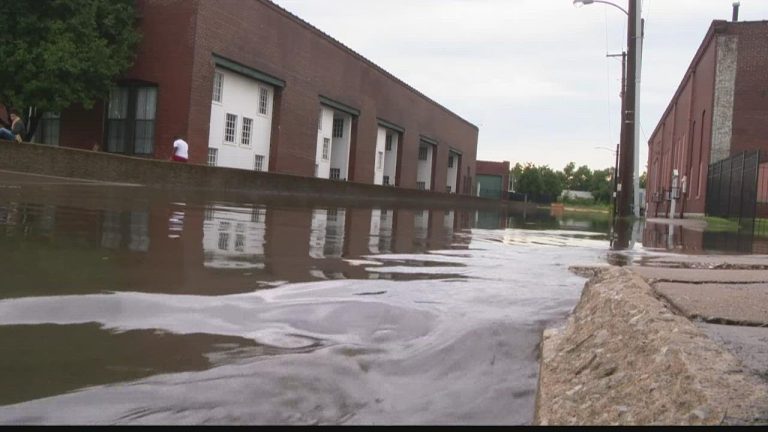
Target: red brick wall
column 750, row 111
column 683, row 138
column 260, row 35
column 164, row 58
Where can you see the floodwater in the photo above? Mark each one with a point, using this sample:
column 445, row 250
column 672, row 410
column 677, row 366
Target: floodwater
column 134, row 305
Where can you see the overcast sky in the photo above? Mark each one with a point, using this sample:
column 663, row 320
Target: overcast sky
column 531, row 74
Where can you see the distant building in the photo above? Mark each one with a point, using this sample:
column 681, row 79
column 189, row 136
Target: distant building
column 492, row 179
column 253, row 87
column 719, row 110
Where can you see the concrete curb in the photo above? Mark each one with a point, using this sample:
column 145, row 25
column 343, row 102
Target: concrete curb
column 624, row 358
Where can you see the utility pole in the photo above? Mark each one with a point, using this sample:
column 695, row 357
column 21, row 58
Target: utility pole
column 622, row 94
column 630, row 122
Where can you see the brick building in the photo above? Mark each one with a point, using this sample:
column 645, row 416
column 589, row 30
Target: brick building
column 254, row 87
column 493, row 179
column 719, row 110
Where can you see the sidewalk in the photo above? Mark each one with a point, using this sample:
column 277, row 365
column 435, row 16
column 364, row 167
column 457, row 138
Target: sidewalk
column 725, row 296
column 676, row 340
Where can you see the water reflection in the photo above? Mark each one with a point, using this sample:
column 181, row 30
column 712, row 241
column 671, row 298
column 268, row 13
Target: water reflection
column 146, row 306
column 208, row 248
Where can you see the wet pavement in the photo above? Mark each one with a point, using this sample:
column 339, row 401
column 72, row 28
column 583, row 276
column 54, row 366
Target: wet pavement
column 726, row 296
column 137, row 305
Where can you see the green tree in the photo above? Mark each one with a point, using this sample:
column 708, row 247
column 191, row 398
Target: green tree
column 602, row 185
column 582, row 179
column 58, row 53
column 540, row 183
column 568, row 175
column 643, row 179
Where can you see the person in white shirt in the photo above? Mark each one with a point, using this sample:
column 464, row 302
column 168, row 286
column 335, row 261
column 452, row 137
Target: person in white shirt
column 180, row 150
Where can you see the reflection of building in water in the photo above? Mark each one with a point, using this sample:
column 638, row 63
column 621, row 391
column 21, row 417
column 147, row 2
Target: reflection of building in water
column 326, row 239
column 421, row 224
column 671, row 237
column 449, row 221
column 490, row 220
column 233, row 238
column 176, row 221
column 380, row 237
column 125, row 228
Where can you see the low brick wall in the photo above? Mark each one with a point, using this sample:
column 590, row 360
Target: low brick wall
column 99, row 166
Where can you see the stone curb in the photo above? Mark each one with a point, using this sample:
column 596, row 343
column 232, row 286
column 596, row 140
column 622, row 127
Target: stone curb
column 623, row 358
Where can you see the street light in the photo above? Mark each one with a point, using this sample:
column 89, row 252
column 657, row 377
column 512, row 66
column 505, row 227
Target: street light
column 630, row 150
column 579, row 3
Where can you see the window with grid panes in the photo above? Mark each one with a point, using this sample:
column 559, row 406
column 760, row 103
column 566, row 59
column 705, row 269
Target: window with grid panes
column 388, row 145
column 131, row 113
column 421, row 185
column 386, row 180
column 263, row 100
column 326, row 148
column 338, row 128
column 245, row 138
column 335, row 174
column 230, row 126
column 450, row 161
column 218, row 86
column 213, row 156
column 423, row 152
column 258, row 163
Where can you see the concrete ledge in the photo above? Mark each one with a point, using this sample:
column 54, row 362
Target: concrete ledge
column 106, row 167
column 624, row 358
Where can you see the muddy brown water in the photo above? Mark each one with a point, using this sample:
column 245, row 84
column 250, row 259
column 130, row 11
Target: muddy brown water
column 136, row 305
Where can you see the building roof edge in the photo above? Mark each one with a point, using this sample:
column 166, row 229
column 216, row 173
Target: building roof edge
column 340, row 45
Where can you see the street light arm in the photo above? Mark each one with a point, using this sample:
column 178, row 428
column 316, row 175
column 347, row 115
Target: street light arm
column 586, row 2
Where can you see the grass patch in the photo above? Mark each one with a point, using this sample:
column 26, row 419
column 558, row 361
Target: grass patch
column 717, row 224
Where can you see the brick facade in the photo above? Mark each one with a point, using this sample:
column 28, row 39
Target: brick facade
column 179, row 40
column 717, row 111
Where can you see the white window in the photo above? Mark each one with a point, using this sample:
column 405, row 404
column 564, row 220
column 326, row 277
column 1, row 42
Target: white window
column 338, row 128
column 421, row 185
column 450, row 161
column 335, row 174
column 230, row 126
column 379, row 160
column 218, row 86
column 263, row 100
column 247, row 128
column 213, row 156
column 326, row 148
column 386, row 180
column 423, row 152
column 388, row 145
column 240, row 243
column 223, row 241
column 258, row 164
column 333, row 215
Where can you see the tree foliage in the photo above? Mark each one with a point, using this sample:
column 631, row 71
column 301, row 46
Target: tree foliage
column 545, row 185
column 57, row 53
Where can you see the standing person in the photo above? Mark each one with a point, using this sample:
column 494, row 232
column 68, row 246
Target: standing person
column 180, row 150
column 16, row 132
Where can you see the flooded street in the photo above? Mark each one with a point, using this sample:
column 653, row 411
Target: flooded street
column 131, row 305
